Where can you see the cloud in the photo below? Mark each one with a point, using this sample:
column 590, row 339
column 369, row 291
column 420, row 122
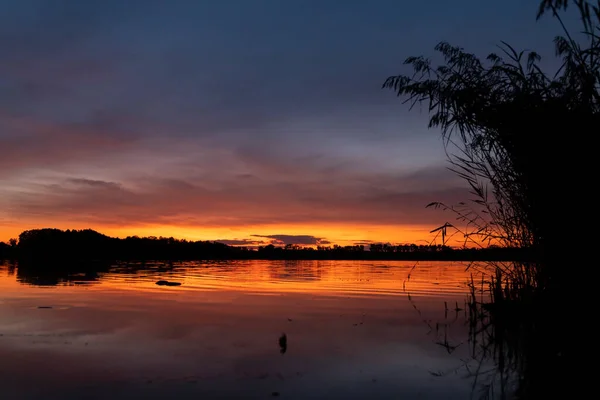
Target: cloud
column 296, row 239
column 35, row 144
column 97, row 184
column 363, row 242
column 219, row 201
column 134, row 119
column 240, row 242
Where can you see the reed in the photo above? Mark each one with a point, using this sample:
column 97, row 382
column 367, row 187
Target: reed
column 499, row 118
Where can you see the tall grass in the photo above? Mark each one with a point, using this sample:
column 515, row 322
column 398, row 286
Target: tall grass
column 500, row 119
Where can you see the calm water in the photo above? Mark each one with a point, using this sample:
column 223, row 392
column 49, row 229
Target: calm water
column 352, row 332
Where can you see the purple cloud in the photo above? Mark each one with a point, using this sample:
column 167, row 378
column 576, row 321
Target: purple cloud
column 295, row 239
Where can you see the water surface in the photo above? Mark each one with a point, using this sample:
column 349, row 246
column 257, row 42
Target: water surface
column 354, row 330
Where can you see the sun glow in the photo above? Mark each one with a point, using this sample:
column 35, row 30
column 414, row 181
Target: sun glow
column 340, row 234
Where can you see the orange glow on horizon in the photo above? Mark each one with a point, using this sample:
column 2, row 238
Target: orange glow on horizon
column 340, row 234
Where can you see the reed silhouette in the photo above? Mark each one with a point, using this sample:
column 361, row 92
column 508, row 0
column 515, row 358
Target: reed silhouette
column 524, row 339
column 501, row 120
column 514, row 351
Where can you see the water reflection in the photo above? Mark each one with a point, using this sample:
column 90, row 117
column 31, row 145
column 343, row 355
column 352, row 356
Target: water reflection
column 343, row 330
column 296, row 270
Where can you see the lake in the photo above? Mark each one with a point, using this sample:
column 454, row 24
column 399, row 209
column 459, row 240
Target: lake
column 353, row 329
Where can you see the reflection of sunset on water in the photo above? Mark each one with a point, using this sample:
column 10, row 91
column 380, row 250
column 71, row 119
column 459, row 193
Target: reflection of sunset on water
column 347, row 325
column 333, row 278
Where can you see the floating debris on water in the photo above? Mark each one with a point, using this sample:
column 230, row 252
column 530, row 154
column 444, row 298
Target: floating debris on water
column 283, row 343
column 167, row 283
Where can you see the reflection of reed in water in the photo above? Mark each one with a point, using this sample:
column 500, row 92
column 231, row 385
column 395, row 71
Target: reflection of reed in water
column 520, row 330
column 518, row 339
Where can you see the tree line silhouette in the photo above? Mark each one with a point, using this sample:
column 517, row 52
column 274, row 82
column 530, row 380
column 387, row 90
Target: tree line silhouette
column 49, row 245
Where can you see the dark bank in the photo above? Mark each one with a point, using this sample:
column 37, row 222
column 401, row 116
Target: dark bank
column 80, row 246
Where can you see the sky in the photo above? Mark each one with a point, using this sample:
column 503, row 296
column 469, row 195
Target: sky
column 246, row 121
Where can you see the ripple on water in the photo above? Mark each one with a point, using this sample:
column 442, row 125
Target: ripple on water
column 332, row 277
column 351, row 330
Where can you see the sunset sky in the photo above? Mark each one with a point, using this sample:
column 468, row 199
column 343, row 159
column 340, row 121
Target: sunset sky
column 245, row 121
